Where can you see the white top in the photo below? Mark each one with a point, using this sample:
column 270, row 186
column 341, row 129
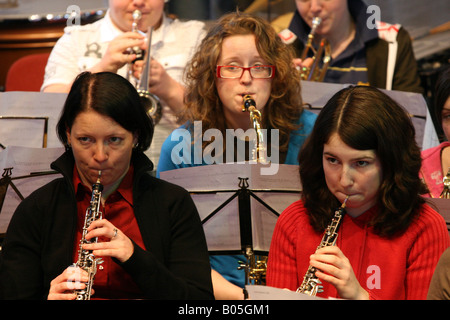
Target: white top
column 81, row 47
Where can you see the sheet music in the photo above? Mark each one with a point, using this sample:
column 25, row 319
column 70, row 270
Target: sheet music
column 221, row 231
column 31, row 104
column 221, row 182
column 264, row 220
column 225, row 177
column 22, row 132
column 256, row 292
column 317, row 95
column 25, row 161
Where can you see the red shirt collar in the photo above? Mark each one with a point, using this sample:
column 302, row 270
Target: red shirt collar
column 125, row 188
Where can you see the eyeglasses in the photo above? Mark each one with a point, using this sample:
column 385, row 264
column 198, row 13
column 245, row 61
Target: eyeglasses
column 236, row 72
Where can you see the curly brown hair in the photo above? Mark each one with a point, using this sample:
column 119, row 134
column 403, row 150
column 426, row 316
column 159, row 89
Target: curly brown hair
column 202, row 101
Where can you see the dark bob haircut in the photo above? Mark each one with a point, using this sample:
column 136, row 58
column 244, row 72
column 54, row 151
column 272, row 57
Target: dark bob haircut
column 111, row 95
column 365, row 118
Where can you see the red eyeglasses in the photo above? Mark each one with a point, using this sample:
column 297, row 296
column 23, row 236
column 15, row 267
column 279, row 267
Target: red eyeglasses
column 236, row 72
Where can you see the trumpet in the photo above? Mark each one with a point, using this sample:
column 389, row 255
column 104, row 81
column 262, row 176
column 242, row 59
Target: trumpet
column 150, row 101
column 311, row 285
column 315, row 72
column 259, row 150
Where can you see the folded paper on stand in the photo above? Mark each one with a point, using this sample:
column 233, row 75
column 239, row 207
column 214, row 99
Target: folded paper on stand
column 29, row 162
column 270, row 293
column 28, row 105
column 213, row 185
column 317, row 94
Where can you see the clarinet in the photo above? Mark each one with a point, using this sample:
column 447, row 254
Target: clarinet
column 86, row 259
column 311, row 285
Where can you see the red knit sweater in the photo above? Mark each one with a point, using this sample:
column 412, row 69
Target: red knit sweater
column 397, row 268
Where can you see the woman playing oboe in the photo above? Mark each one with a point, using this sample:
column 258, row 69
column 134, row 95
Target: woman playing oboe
column 362, row 147
column 150, row 238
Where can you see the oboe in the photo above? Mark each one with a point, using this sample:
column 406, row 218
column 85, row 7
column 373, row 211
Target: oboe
column 86, row 259
column 311, row 285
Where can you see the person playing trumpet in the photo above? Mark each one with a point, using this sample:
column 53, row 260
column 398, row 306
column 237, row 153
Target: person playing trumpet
column 104, row 46
column 362, row 52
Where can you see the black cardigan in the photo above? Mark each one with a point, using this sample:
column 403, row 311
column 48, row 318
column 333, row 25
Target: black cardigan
column 39, row 242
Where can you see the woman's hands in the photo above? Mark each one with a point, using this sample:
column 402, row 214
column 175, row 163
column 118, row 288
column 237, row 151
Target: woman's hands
column 119, row 246
column 73, row 278
column 300, row 64
column 63, row 286
column 334, row 268
column 162, row 84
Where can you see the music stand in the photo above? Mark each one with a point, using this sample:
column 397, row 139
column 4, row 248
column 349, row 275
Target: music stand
column 442, row 206
column 23, row 171
column 245, row 204
column 45, row 129
column 317, row 94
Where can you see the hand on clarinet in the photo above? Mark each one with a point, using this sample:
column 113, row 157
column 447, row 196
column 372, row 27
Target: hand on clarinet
column 334, row 268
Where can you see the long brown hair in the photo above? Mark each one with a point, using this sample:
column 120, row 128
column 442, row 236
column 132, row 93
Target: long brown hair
column 202, row 100
column 366, row 119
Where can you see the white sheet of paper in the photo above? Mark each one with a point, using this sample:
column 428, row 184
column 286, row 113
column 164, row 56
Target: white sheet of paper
column 30, row 104
column 318, row 93
column 256, row 292
column 221, row 181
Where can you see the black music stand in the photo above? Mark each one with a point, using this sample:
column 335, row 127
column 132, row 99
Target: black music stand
column 243, row 195
column 7, row 180
column 22, row 170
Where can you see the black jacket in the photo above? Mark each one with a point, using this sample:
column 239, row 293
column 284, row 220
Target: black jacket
column 39, row 242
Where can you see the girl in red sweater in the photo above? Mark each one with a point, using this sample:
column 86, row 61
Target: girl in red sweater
column 389, row 241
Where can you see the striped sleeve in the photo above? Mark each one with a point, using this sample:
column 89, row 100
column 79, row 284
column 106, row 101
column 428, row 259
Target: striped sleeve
column 430, row 239
column 281, row 268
